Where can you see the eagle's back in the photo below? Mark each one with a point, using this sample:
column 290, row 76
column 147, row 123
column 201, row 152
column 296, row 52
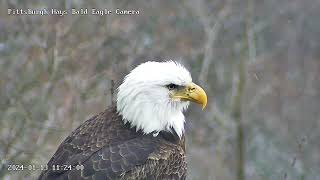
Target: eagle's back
column 109, row 149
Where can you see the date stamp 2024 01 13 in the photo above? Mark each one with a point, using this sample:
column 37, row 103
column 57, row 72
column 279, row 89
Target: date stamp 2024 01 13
column 4, row 164
column 33, row 167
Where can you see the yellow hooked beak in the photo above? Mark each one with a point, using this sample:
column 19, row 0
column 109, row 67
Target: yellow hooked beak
column 191, row 92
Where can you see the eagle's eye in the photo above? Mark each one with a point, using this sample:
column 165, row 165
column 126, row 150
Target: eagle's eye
column 172, row 86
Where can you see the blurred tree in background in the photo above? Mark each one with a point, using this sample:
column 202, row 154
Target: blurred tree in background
column 257, row 60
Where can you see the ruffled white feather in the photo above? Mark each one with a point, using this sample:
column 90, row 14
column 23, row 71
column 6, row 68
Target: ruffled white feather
column 143, row 98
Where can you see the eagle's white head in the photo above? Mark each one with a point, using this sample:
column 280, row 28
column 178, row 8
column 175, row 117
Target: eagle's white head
column 154, row 95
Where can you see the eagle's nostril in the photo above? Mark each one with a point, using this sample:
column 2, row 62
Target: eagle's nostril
column 192, row 89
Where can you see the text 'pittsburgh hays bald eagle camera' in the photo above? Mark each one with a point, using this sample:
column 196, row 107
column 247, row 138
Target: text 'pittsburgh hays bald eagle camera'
column 142, row 137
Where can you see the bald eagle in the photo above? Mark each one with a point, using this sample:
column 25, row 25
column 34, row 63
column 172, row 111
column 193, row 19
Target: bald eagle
column 142, row 137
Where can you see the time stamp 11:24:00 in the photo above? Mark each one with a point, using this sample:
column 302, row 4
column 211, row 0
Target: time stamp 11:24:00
column 32, row 167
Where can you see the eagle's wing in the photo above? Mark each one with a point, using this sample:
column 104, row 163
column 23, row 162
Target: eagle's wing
column 166, row 162
column 110, row 162
column 107, row 150
column 139, row 158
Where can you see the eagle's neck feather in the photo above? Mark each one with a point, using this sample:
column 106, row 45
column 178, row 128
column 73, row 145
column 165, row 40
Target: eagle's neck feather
column 148, row 114
column 144, row 101
column 152, row 118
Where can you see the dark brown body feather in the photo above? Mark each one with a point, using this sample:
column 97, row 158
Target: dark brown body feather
column 109, row 149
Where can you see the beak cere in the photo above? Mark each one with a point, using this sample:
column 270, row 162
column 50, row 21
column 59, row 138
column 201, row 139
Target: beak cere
column 191, row 92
